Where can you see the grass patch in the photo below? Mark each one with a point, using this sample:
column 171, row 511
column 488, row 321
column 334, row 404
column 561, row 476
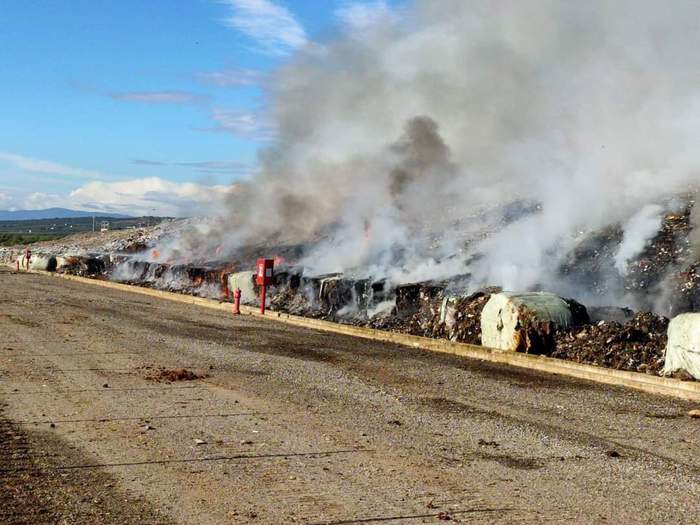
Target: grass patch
column 13, row 239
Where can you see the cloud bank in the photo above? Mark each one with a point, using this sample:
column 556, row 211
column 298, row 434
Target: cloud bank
column 148, row 196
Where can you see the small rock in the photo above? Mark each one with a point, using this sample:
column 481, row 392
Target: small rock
column 200, row 442
column 695, row 414
column 613, row 454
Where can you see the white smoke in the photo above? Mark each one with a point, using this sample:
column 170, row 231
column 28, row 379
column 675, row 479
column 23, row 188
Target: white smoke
column 398, row 152
column 641, row 227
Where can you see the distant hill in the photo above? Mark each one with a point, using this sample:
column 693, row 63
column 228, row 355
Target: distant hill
column 54, row 213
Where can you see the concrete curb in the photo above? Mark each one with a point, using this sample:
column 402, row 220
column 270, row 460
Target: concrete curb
column 689, row 390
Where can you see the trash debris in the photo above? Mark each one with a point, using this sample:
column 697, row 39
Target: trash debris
column 638, row 345
column 172, row 375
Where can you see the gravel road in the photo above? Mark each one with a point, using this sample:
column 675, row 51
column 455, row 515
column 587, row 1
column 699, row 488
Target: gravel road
column 289, row 425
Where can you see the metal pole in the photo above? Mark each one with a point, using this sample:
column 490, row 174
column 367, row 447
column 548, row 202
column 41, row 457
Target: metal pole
column 262, row 300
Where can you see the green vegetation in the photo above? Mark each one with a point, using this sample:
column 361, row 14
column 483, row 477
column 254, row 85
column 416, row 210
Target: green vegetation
column 12, row 239
column 56, row 228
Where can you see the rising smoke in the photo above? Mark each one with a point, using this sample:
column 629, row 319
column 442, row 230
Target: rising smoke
column 507, row 129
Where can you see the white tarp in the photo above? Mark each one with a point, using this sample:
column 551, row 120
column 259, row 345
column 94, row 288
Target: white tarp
column 683, row 347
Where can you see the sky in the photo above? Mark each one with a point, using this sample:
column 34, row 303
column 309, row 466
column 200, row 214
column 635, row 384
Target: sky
column 145, row 107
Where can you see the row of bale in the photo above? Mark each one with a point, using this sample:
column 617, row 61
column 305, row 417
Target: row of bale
column 84, row 265
column 534, row 322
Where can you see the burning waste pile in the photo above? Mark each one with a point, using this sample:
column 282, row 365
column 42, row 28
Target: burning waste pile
column 460, row 170
column 532, row 322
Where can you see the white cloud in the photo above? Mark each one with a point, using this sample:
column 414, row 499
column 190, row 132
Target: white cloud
column 271, row 25
column 361, row 15
column 246, row 124
column 41, row 201
column 31, row 165
column 149, row 196
column 158, row 97
column 145, row 196
column 232, row 77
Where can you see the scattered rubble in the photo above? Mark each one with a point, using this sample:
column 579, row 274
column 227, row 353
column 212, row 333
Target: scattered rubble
column 173, row 375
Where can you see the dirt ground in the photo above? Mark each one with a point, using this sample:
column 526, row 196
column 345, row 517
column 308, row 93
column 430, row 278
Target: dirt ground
column 277, row 424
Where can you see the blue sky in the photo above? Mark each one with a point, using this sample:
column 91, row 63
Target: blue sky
column 143, row 106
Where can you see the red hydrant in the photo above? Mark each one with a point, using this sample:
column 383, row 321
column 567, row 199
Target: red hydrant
column 237, row 301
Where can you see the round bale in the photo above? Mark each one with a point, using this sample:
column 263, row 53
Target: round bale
column 683, row 347
column 44, row 263
column 526, row 322
column 245, row 281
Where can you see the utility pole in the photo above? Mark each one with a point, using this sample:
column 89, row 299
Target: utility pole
column 93, row 224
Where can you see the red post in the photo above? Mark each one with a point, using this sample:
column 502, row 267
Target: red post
column 263, row 277
column 237, row 301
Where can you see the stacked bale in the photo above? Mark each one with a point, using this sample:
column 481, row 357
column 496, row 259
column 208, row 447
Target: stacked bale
column 527, row 322
column 683, row 347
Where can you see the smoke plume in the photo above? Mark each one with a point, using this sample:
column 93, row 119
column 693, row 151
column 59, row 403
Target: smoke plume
column 505, row 129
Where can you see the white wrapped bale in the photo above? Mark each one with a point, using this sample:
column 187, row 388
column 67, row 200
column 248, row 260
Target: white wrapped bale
column 683, row 347
column 43, row 263
column 245, row 281
column 526, row 322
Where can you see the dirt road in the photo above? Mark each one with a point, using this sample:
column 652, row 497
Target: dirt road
column 287, row 425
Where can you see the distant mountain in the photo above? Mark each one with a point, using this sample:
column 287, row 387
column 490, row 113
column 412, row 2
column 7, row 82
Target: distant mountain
column 54, row 213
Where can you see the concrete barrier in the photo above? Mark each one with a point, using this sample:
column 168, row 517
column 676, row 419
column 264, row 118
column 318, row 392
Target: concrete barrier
column 689, row 390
